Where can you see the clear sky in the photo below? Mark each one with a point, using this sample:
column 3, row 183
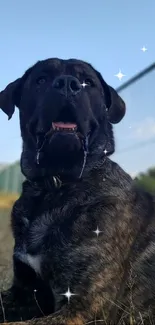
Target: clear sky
column 109, row 34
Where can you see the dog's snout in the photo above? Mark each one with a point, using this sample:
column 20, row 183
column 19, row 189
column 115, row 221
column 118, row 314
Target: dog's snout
column 67, row 85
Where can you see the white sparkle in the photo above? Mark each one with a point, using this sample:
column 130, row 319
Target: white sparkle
column 105, row 151
column 84, row 84
column 144, row 49
column 97, row 231
column 120, row 75
column 35, row 290
column 68, row 294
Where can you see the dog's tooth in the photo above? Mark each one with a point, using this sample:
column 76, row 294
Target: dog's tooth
column 57, row 128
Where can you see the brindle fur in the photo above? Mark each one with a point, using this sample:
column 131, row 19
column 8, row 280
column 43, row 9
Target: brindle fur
column 112, row 274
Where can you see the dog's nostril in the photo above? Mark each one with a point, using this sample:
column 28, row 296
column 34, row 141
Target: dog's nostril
column 67, row 84
column 59, row 84
column 74, row 85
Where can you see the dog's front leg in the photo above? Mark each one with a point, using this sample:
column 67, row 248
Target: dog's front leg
column 18, row 304
column 23, row 302
column 92, row 303
column 28, row 297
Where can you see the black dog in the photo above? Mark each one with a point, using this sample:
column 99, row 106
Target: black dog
column 80, row 225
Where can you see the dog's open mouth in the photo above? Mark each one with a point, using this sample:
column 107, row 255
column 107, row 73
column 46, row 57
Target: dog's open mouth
column 64, row 126
column 63, row 137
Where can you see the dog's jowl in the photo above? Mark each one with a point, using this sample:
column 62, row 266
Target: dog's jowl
column 84, row 233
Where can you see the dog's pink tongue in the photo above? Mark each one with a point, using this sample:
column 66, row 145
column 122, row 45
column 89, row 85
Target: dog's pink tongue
column 64, row 125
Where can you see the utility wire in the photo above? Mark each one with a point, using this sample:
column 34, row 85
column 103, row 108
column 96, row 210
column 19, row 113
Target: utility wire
column 136, row 146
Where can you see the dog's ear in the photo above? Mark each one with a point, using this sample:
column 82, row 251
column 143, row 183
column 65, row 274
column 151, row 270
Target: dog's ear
column 114, row 103
column 9, row 97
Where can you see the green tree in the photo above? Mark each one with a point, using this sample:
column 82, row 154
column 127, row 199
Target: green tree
column 147, row 180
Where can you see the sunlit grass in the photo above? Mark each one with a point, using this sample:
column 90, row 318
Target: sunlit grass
column 7, row 200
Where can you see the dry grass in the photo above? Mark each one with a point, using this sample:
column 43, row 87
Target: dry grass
column 6, row 240
column 6, row 245
column 7, row 200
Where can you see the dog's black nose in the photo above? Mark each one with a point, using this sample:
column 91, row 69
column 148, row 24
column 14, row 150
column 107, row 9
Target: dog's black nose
column 67, row 85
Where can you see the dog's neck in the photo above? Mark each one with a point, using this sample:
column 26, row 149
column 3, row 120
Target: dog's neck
column 56, row 181
column 56, row 177
column 102, row 175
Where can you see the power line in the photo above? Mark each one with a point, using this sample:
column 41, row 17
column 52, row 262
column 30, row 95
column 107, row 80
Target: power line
column 135, row 78
column 137, row 146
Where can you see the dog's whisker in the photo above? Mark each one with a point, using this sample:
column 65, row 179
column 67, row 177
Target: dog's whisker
column 35, row 298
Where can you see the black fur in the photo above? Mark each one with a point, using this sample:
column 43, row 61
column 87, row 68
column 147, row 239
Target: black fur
column 54, row 219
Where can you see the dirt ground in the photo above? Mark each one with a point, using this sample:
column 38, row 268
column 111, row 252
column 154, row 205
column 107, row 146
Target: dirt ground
column 6, row 246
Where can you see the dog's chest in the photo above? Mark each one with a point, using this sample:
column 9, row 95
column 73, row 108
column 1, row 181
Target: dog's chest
column 34, row 261
column 48, row 235
column 56, row 228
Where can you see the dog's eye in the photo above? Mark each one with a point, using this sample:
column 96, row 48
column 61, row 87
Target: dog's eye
column 89, row 82
column 41, row 80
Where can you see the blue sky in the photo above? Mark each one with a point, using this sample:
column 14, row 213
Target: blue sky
column 109, row 34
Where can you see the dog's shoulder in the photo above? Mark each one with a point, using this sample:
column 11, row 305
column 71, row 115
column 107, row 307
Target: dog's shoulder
column 129, row 194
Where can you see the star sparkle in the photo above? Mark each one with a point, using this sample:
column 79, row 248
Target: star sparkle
column 84, row 84
column 144, row 49
column 68, row 294
column 120, row 75
column 97, row 232
column 105, row 151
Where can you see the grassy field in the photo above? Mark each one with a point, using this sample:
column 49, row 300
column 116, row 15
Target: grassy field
column 7, row 200
column 6, row 240
column 6, row 246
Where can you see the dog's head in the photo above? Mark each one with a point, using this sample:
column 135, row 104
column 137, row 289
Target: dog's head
column 66, row 109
